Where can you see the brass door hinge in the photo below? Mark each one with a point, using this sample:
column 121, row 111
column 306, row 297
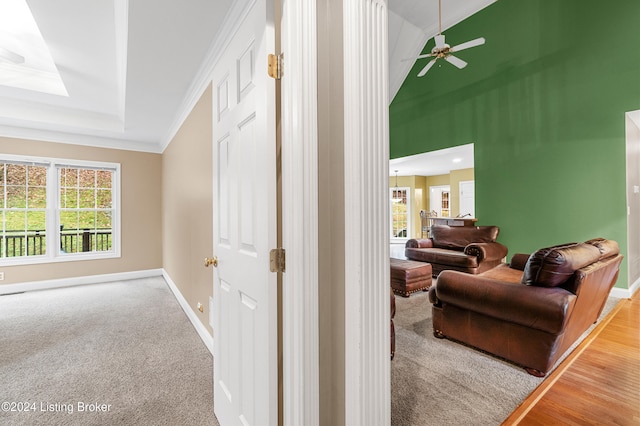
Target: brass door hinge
column 275, row 66
column 277, row 260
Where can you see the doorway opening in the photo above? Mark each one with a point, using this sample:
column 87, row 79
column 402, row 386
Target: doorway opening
column 437, row 184
column 632, row 126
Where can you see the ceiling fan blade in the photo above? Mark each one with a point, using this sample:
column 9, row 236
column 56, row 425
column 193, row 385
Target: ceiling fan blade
column 455, row 61
column 468, row 44
column 426, row 55
column 427, row 67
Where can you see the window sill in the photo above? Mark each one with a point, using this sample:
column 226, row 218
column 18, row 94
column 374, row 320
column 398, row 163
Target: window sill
column 75, row 257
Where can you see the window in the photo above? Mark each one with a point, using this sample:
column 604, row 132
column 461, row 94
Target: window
column 54, row 210
column 24, row 209
column 400, row 208
column 85, row 210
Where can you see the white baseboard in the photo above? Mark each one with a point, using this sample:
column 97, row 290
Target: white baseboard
column 634, row 287
column 74, row 281
column 207, row 339
column 625, row 293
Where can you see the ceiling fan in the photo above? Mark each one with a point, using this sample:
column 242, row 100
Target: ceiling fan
column 444, row 51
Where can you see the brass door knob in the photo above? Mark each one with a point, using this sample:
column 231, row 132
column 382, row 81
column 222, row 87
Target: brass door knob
column 211, row 261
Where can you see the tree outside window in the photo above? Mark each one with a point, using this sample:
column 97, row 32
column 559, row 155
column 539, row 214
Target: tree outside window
column 57, row 210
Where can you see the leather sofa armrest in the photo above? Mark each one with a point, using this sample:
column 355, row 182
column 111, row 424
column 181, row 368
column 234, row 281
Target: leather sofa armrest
column 419, row 243
column 541, row 308
column 433, row 297
column 486, row 251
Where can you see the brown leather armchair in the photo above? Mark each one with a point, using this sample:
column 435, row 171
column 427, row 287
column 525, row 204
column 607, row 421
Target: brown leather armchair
column 531, row 311
column 393, row 329
column 470, row 249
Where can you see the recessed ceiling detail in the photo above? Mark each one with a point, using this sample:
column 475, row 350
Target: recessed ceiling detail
column 128, row 67
column 133, row 70
column 25, row 60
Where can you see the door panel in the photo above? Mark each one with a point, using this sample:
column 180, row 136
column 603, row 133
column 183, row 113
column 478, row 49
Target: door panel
column 244, row 194
column 467, row 198
column 247, row 207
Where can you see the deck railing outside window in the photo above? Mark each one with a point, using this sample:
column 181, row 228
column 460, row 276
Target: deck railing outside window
column 34, row 243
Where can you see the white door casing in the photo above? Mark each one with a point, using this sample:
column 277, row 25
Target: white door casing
column 245, row 225
column 435, row 198
column 467, row 198
column 300, row 293
column 632, row 129
column 366, row 185
column 400, row 213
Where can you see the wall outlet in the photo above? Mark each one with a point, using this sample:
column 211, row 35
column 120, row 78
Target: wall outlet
column 1, row 276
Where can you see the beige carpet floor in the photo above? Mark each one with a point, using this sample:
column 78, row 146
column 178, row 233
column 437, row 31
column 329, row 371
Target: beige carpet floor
column 66, row 354
column 121, row 353
column 440, row 382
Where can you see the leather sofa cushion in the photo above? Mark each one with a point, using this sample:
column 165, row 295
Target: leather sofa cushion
column 458, row 237
column 505, row 273
column 553, row 266
column 546, row 309
column 444, row 257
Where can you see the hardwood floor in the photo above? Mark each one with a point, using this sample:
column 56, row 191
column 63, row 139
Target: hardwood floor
column 599, row 383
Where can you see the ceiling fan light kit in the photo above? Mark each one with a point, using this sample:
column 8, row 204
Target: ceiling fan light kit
column 396, row 193
column 442, row 50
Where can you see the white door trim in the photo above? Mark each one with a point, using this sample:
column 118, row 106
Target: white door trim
column 299, row 126
column 435, row 203
column 462, row 197
column 367, row 365
column 366, row 156
column 392, row 205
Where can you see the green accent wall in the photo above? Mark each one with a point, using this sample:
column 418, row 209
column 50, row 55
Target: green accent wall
column 544, row 102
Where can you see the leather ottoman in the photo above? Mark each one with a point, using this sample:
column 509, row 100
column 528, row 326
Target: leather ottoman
column 409, row 276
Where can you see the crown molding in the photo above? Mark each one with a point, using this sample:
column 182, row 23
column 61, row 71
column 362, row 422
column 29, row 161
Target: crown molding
column 237, row 13
column 76, row 139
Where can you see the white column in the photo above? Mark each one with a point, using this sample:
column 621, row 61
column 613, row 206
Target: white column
column 366, row 140
column 300, row 213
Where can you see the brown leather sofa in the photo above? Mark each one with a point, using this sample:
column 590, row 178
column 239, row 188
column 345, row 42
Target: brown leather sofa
column 531, row 311
column 470, row 249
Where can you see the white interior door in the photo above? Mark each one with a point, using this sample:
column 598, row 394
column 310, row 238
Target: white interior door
column 244, row 193
column 467, row 198
column 435, row 199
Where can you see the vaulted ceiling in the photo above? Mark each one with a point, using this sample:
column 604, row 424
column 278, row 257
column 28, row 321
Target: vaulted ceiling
column 133, row 69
